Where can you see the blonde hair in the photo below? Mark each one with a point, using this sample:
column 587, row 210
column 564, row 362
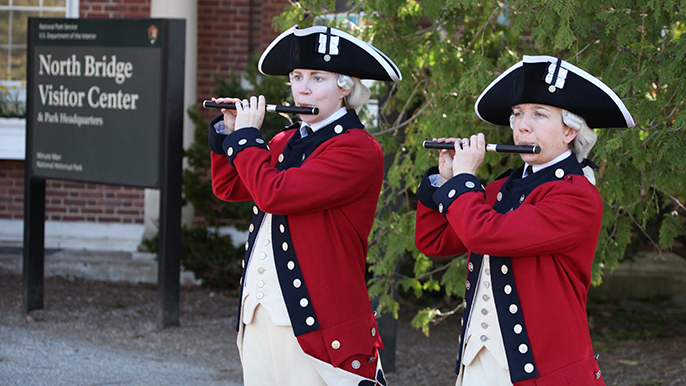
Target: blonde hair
column 359, row 94
column 585, row 138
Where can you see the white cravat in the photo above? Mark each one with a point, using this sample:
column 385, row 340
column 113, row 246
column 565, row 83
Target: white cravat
column 557, row 159
column 318, row 125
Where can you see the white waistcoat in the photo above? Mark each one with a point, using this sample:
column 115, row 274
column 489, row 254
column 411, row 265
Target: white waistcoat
column 484, row 329
column 261, row 285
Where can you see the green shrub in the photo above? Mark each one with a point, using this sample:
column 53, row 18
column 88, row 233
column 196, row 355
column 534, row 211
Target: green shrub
column 212, row 257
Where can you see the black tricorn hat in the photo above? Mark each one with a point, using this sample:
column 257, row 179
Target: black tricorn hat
column 327, row 49
column 551, row 81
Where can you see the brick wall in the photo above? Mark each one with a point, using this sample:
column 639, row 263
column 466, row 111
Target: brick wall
column 114, row 9
column 229, row 32
column 71, row 201
column 11, row 190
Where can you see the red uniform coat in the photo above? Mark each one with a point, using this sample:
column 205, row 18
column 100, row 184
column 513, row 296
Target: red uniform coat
column 327, row 196
column 546, row 233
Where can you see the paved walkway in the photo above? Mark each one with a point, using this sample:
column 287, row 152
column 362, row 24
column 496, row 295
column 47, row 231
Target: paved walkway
column 29, row 358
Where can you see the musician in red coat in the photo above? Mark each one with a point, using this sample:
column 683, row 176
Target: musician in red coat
column 531, row 234
column 305, row 316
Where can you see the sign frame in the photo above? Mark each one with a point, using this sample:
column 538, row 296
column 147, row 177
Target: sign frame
column 111, row 35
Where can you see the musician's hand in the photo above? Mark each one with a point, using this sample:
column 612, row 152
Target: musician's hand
column 250, row 113
column 229, row 115
column 445, row 161
column 470, row 155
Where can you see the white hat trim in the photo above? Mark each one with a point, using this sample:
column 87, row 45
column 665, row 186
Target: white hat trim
column 393, row 71
column 547, row 58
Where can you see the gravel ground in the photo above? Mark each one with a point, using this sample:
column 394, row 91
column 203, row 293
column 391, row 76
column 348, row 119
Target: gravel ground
column 103, row 333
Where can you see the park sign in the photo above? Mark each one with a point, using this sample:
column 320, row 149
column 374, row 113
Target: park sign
column 105, row 105
column 97, row 98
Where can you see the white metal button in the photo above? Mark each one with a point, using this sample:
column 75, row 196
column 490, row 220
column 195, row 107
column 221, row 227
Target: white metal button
column 284, row 246
column 452, row 193
column 513, row 308
column 504, row 269
column 281, row 157
column 338, row 129
column 507, row 289
column 297, row 283
column 309, row 321
column 529, row 368
column 335, row 345
column 229, row 151
column 290, row 265
column 559, row 173
column 469, row 185
column 242, row 141
column 356, row 364
column 518, row 329
column 304, row 302
column 523, row 348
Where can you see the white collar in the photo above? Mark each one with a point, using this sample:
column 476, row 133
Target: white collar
column 559, row 158
column 316, row 126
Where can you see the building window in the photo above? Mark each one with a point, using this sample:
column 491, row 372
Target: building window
column 14, row 16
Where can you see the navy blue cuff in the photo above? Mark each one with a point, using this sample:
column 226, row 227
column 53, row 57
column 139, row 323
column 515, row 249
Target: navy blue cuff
column 242, row 139
column 215, row 138
column 426, row 191
column 453, row 188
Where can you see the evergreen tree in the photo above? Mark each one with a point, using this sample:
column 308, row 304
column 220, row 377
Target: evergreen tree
column 450, row 50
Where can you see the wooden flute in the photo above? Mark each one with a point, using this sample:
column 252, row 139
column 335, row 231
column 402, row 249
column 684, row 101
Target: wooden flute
column 269, row 108
column 491, row 147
